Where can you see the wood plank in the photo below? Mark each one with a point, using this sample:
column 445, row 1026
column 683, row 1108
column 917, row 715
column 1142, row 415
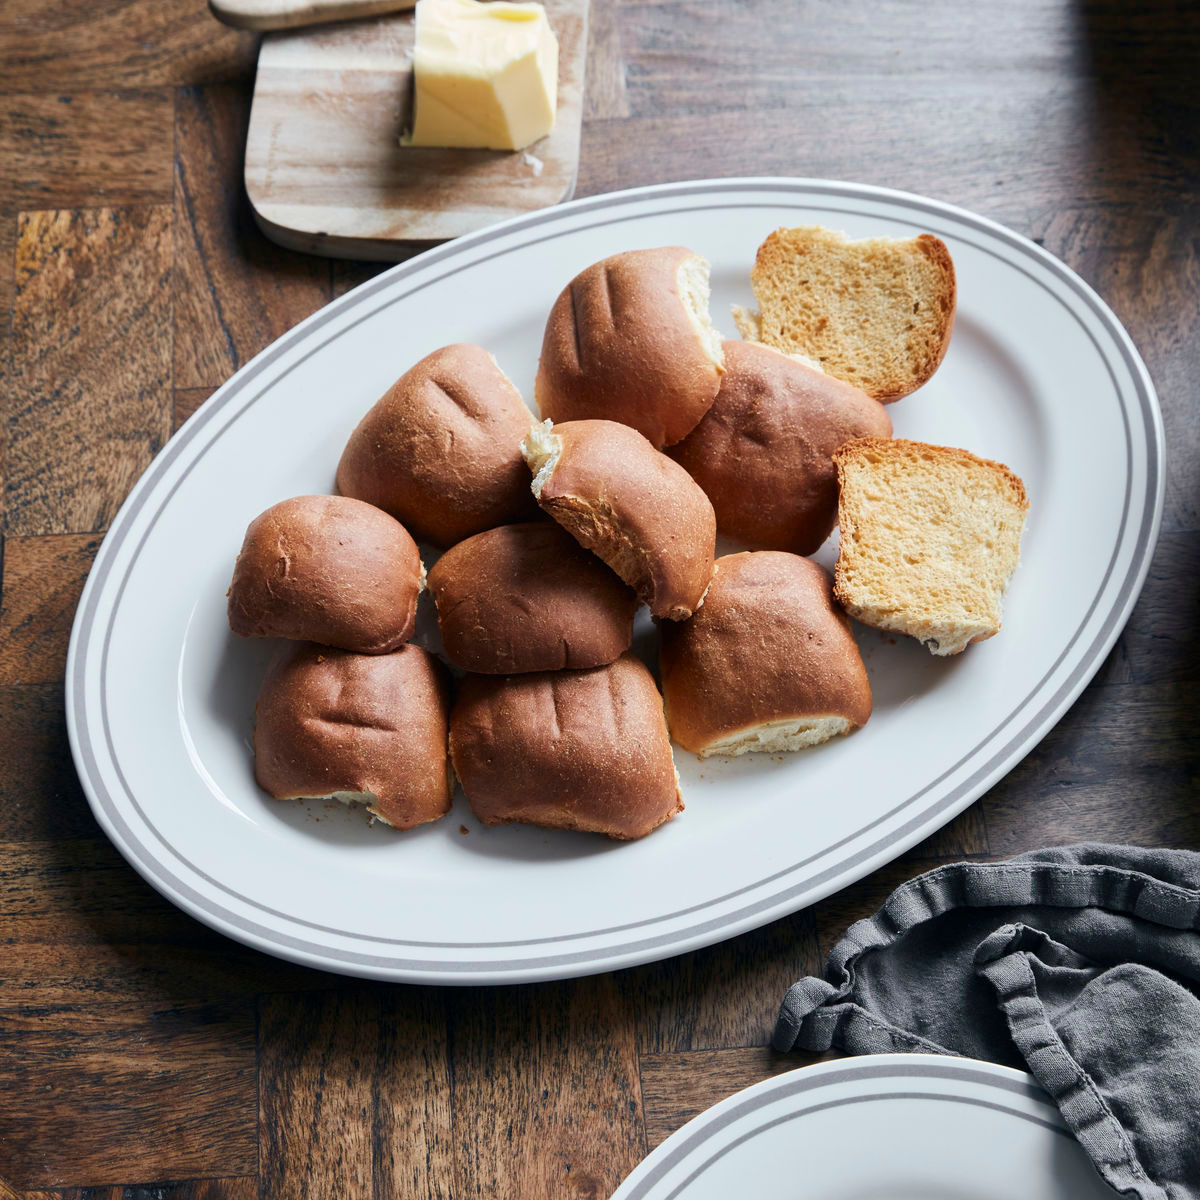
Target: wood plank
column 83, row 930
column 187, row 400
column 135, row 1093
column 235, row 291
column 325, row 170
column 964, row 836
column 90, row 403
column 546, row 1094
column 42, row 580
column 81, row 149
column 1120, row 767
column 134, row 43
column 678, row 1087
column 40, row 796
column 725, row 995
column 355, row 1095
column 230, row 1187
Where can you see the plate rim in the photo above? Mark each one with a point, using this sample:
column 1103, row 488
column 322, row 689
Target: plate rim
column 719, row 928
column 1026, row 1099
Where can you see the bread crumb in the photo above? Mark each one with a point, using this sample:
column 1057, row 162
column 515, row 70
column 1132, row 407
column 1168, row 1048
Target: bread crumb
column 463, row 829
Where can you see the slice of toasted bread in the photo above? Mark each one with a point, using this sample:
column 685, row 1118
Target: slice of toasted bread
column 877, row 313
column 930, row 538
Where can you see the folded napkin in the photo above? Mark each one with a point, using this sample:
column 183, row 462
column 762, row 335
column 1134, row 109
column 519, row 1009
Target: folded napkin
column 1080, row 965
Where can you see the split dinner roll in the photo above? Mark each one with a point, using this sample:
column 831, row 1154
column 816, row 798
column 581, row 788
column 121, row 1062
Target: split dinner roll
column 529, row 598
column 769, row 663
column 764, row 452
column 440, row 449
column 360, row 728
column 327, row 569
column 630, row 340
column 630, row 504
column 584, row 750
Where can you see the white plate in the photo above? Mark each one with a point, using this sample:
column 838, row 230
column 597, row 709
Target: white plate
column 901, row 1126
column 160, row 696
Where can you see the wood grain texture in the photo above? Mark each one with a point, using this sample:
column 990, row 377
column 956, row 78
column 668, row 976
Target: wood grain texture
column 678, row 1087
column 42, row 579
column 325, row 170
column 92, row 148
column 546, row 1094
column 89, row 404
column 236, row 292
column 126, row 1092
column 80, row 47
column 355, row 1095
column 177, row 1064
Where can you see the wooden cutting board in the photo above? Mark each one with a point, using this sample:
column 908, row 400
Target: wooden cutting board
column 325, row 171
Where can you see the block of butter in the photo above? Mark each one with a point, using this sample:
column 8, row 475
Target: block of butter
column 485, row 74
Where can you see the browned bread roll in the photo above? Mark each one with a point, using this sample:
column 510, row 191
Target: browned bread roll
column 365, row 728
column 769, row 662
column 630, row 340
column 440, row 450
column 529, row 598
column 640, row 512
column 584, row 750
column 764, row 452
column 327, row 569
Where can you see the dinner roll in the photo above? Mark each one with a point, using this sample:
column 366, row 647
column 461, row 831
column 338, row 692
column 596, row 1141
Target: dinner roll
column 584, row 750
column 769, row 663
column 440, row 450
column 640, row 512
column 327, row 569
column 529, row 598
column 360, row 728
column 764, row 452
column 630, row 340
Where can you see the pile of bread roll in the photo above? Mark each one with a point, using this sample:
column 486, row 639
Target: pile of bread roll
column 655, row 434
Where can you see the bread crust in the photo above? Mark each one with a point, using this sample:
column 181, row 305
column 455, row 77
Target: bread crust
column 371, row 727
column 621, row 344
column 440, row 450
column 522, row 598
column 327, row 569
column 583, row 750
column 637, row 510
column 768, row 647
column 764, row 452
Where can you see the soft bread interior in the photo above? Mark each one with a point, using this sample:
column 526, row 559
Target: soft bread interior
column 541, row 449
column 349, row 799
column 749, row 323
column 778, row 737
column 694, row 290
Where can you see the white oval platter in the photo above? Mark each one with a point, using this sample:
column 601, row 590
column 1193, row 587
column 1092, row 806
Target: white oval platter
column 160, row 696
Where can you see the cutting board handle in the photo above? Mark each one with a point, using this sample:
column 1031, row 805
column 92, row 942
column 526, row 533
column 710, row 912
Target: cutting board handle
column 292, row 14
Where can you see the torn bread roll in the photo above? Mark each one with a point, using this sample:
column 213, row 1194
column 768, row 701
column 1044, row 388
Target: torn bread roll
column 439, row 451
column 529, row 598
column 583, row 750
column 630, row 340
column 630, row 504
column 931, row 536
column 768, row 664
column 764, row 452
column 369, row 729
column 327, row 569
column 877, row 312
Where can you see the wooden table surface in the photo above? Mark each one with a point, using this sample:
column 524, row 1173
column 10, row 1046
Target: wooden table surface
column 141, row 1054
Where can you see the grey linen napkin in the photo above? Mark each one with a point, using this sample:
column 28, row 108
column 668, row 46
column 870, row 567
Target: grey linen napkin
column 1080, row 965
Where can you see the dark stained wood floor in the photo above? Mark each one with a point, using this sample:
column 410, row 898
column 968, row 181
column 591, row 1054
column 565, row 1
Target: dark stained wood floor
column 142, row 1055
